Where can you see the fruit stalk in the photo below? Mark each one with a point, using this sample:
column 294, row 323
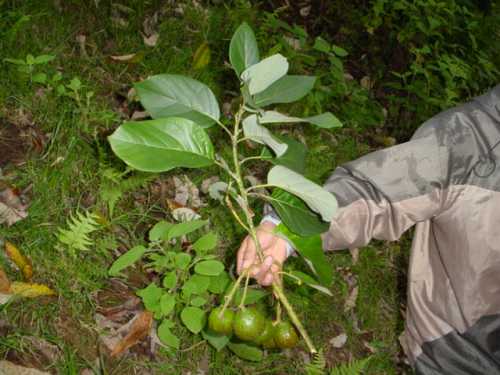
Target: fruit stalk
column 250, row 228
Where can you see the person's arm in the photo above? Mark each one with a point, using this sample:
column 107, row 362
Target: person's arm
column 386, row 192
column 380, row 196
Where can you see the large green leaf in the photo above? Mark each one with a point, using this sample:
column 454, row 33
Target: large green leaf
column 163, row 144
column 296, row 215
column 170, row 95
column 288, row 89
column 166, row 336
column 217, row 340
column 294, row 157
column 260, row 76
column 245, row 351
column 181, row 229
column 243, row 49
column 310, row 248
column 193, row 318
column 262, row 135
column 317, row 198
column 126, row 260
column 325, row 120
column 209, row 268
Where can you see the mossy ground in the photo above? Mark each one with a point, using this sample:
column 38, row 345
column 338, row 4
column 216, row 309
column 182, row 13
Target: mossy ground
column 66, row 176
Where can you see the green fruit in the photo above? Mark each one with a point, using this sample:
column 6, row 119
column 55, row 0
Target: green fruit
column 248, row 324
column 266, row 334
column 269, row 343
column 221, row 324
column 285, row 336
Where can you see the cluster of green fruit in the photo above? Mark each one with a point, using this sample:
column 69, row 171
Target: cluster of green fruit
column 249, row 324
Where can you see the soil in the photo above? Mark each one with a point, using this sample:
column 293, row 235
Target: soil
column 12, row 145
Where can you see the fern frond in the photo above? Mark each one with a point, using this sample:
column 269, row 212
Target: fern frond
column 354, row 368
column 76, row 237
column 317, row 365
column 115, row 185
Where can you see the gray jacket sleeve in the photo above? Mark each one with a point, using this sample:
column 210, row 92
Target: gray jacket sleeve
column 386, row 192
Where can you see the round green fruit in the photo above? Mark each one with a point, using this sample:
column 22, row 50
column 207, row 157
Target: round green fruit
column 266, row 334
column 248, row 324
column 221, row 324
column 285, row 335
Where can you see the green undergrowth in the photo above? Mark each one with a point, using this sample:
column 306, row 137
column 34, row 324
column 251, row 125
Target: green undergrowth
column 67, row 176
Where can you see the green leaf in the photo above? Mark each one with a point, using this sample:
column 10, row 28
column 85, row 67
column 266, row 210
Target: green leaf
column 168, row 95
column 198, row 301
column 217, row 340
column 262, row 135
column 260, row 76
column 151, row 297
column 325, row 120
column 182, row 260
column 167, row 303
column 40, row 78
column 75, row 84
column 126, row 260
column 321, row 45
column 310, row 248
column 170, row 280
column 163, row 144
column 339, row 51
column 187, row 227
column 253, row 296
column 294, row 157
column 243, row 49
column 43, row 59
column 245, row 351
column 218, row 284
column 288, row 89
column 196, row 284
column 160, row 231
column 209, row 268
column 205, row 243
column 15, row 61
column 309, row 281
column 166, row 336
column 317, row 198
column 296, row 215
column 193, row 318
column 201, row 57
column 30, row 60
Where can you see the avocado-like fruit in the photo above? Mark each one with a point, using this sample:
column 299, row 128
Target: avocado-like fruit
column 248, row 324
column 266, row 334
column 222, row 324
column 285, row 335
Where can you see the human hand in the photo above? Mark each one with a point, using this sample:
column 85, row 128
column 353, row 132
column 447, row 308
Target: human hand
column 275, row 253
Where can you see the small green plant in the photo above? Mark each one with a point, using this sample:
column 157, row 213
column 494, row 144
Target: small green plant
column 190, row 277
column 183, row 109
column 30, row 67
column 76, row 237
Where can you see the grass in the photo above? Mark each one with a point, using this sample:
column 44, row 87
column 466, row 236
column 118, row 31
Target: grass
column 67, row 177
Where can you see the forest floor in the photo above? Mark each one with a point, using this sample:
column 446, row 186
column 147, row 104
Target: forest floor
column 54, row 156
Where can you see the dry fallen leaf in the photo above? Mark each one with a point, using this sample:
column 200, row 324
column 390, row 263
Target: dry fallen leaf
column 139, row 115
column 119, row 338
column 9, row 368
column 4, row 282
column 350, row 302
column 30, row 290
column 206, row 183
column 12, row 208
column 183, row 214
column 186, row 193
column 23, row 263
column 123, row 58
column 152, row 40
column 139, row 329
column 339, row 341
